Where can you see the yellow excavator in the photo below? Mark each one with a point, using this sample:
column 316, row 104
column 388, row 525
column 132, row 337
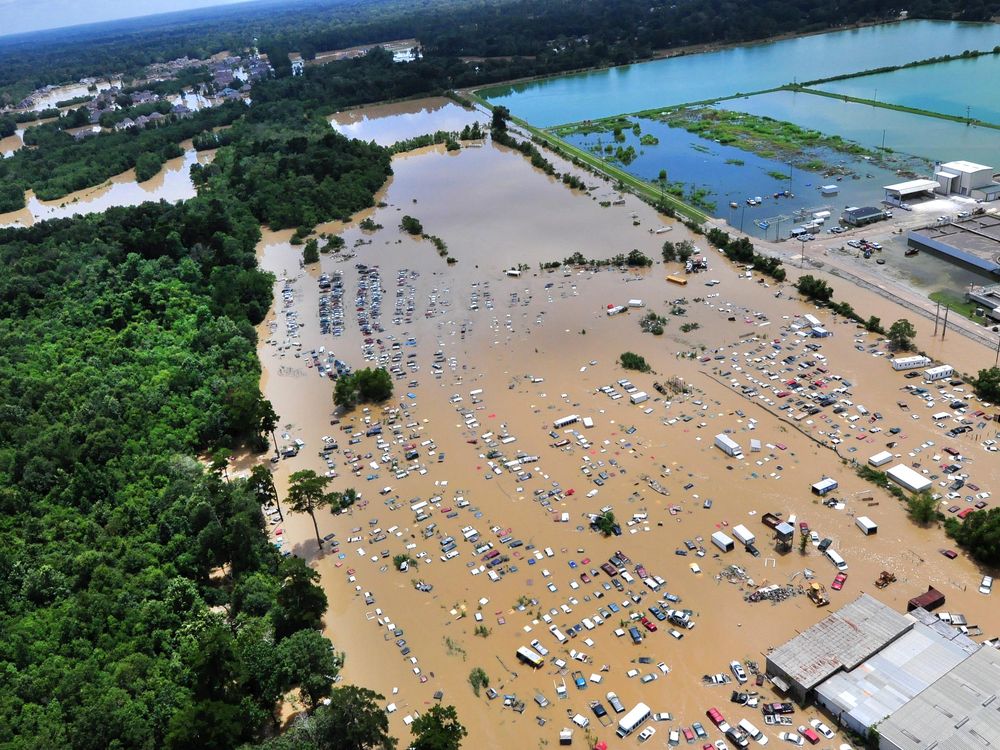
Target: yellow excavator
column 817, row 594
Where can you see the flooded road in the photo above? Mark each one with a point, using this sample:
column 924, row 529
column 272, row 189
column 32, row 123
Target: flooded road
column 172, row 183
column 485, row 365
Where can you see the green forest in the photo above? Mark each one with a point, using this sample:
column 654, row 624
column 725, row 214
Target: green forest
column 538, row 36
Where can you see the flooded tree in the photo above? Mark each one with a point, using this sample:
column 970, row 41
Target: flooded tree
column 438, row 729
column 900, row 335
column 307, row 494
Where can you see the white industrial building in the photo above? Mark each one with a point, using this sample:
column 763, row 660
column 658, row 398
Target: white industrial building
column 958, row 711
column 887, row 680
column 966, row 178
column 908, row 479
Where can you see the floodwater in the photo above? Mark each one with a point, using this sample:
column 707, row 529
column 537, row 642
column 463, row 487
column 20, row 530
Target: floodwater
column 732, row 175
column 172, row 183
column 678, row 80
column 539, row 347
column 387, row 124
column 873, row 127
column 952, row 88
column 70, row 91
column 11, row 143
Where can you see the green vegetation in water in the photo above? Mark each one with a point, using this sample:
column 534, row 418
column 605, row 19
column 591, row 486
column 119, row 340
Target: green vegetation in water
column 701, row 147
column 775, row 174
column 763, row 136
column 632, row 361
column 589, row 127
column 735, row 162
column 649, row 140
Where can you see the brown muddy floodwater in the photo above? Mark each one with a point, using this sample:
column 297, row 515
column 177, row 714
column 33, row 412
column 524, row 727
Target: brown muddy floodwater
column 489, row 362
column 388, row 123
column 172, row 183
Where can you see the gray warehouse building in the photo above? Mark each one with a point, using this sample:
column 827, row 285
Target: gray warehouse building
column 959, row 711
column 884, row 682
column 840, row 641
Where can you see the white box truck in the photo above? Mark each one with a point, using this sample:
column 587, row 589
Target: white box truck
column 867, row 525
column 744, row 534
column 728, row 446
column 723, row 542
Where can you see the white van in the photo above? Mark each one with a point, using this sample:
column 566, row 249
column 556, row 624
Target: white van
column 626, row 576
column 836, row 559
column 753, row 731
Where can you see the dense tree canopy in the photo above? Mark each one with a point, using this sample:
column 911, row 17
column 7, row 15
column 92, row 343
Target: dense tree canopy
column 140, row 600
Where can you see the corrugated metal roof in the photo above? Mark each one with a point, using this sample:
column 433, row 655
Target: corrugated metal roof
column 888, row 679
column 843, row 639
column 960, row 711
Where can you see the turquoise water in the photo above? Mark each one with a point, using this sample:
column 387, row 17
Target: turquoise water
column 927, row 137
column 947, row 87
column 732, row 175
column 677, row 80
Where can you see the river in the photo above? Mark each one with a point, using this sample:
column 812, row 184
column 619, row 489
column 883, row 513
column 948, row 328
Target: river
column 677, row 80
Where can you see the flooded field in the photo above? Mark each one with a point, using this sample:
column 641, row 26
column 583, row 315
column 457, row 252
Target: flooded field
column 387, row 124
column 172, row 183
column 485, row 364
column 728, row 174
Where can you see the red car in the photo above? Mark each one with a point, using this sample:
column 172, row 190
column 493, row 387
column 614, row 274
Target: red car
column 949, row 553
column 715, row 716
column 585, row 578
column 648, row 624
column 688, row 735
column 804, row 527
column 810, row 735
column 838, row 582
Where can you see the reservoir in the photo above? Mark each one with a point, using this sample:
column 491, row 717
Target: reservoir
column 927, row 137
column 745, row 69
column 956, row 87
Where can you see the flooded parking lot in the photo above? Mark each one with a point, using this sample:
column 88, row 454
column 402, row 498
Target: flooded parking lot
column 509, row 429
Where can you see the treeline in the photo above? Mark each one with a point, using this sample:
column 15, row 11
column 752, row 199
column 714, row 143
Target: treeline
column 59, row 164
column 141, row 603
column 517, row 37
column 741, row 250
column 818, row 291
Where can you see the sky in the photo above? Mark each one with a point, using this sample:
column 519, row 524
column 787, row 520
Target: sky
column 18, row 16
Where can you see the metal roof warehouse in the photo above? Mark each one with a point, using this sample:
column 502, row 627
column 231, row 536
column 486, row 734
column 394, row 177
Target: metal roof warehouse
column 841, row 640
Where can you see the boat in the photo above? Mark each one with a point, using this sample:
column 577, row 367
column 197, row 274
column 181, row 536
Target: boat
column 734, row 204
column 762, row 224
column 910, row 252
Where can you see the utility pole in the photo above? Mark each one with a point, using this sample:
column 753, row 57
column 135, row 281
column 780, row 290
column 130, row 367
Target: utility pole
column 944, row 329
column 883, row 139
column 937, row 310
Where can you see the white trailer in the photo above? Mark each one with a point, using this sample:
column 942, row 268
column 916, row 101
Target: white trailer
column 880, row 458
column 744, row 534
column 639, row 397
column 723, row 542
column 909, row 363
column 636, row 303
column 566, row 421
column 728, row 446
column 941, row 372
column 867, row 525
